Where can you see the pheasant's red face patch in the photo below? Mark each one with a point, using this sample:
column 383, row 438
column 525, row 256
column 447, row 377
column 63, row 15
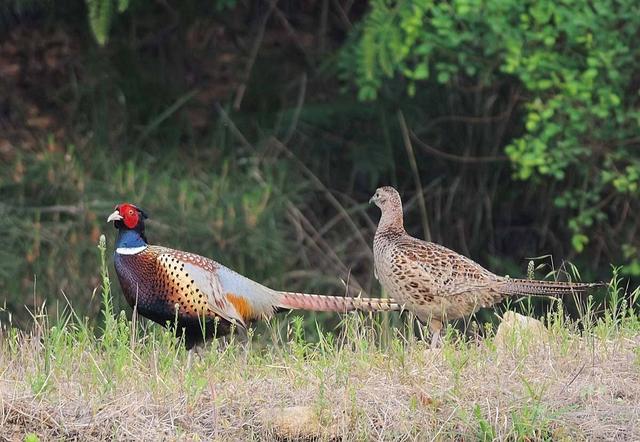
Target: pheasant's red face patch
column 130, row 215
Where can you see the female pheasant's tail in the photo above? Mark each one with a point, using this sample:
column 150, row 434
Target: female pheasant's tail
column 510, row 286
column 323, row 303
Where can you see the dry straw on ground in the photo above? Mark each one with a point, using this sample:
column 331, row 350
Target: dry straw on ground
column 573, row 386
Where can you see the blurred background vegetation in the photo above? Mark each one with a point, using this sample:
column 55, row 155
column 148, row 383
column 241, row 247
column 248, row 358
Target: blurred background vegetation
column 255, row 132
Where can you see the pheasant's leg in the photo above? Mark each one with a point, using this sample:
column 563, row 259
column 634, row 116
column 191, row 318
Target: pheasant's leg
column 189, row 358
column 237, row 337
column 435, row 327
column 242, row 336
column 197, row 351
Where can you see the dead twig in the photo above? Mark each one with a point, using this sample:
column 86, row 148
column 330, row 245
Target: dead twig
column 255, row 48
column 456, row 158
column 416, row 175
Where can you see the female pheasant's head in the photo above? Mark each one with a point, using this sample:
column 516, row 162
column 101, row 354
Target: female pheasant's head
column 129, row 220
column 387, row 198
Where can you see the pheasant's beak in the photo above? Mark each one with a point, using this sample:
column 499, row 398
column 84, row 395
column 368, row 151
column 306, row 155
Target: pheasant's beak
column 372, row 199
column 115, row 216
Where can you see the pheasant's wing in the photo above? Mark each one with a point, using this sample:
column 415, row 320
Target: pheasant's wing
column 251, row 299
column 194, row 285
column 445, row 272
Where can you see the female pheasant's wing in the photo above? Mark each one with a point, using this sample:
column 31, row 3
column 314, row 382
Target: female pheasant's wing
column 442, row 271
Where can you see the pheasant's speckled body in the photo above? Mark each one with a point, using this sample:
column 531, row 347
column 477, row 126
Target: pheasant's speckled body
column 202, row 297
column 436, row 283
column 161, row 283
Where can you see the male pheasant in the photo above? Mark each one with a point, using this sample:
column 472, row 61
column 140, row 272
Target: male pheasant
column 438, row 284
column 200, row 296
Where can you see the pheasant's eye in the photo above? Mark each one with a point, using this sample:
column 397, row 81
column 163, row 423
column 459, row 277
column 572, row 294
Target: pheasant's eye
column 130, row 212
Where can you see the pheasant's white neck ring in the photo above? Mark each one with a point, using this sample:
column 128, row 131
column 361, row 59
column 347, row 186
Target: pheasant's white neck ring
column 130, row 242
column 130, row 250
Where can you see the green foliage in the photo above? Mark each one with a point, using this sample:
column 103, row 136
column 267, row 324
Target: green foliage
column 100, row 15
column 110, row 324
column 486, row 431
column 576, row 66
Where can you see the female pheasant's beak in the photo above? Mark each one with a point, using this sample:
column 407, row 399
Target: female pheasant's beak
column 374, row 198
column 115, row 216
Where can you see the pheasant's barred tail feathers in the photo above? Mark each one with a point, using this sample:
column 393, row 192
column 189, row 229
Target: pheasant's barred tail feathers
column 549, row 288
column 303, row 301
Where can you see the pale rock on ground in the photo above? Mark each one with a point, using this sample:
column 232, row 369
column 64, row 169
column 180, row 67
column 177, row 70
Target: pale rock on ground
column 517, row 331
column 296, row 423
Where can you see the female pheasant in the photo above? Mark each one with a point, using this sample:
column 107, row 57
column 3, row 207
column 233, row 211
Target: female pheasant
column 200, row 296
column 438, row 284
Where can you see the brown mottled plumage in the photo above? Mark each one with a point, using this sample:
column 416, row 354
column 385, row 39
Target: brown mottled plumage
column 200, row 296
column 436, row 283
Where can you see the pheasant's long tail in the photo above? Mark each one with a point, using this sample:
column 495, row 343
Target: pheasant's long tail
column 323, row 303
column 510, row 286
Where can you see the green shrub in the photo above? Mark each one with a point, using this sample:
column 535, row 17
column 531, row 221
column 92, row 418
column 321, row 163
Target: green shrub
column 575, row 65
